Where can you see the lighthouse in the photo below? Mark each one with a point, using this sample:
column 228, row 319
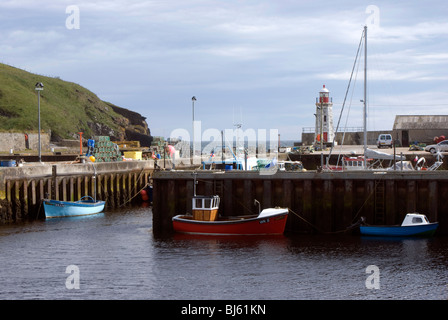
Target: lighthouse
column 324, row 131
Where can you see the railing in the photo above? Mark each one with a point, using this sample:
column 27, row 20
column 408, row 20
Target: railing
column 348, row 129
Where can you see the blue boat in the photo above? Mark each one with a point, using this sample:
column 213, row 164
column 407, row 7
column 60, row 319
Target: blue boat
column 85, row 206
column 414, row 224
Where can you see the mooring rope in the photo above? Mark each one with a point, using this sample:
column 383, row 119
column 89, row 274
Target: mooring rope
column 100, row 184
column 138, row 192
column 138, row 178
column 147, row 184
column 40, row 207
column 372, row 192
column 353, row 226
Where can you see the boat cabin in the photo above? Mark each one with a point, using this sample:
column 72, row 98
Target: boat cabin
column 205, row 208
column 354, row 163
column 413, row 219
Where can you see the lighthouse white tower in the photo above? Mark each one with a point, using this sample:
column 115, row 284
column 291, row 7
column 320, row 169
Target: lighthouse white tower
column 324, row 131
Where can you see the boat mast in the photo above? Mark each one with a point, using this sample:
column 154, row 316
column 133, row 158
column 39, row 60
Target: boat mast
column 194, row 183
column 365, row 94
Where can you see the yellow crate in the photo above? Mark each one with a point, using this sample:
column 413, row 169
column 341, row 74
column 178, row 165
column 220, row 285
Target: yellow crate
column 136, row 155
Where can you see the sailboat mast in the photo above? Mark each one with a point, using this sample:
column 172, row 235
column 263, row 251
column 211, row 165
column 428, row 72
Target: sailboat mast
column 365, row 93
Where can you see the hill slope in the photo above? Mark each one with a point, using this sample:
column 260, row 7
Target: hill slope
column 66, row 109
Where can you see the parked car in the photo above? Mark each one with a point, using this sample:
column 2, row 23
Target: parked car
column 441, row 146
column 384, row 140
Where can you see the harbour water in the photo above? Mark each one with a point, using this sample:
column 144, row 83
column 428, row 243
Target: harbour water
column 114, row 255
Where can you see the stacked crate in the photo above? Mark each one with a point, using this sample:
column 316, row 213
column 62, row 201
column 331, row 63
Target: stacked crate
column 105, row 150
column 158, row 145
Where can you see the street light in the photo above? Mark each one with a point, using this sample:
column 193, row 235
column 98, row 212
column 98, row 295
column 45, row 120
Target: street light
column 193, row 99
column 39, row 87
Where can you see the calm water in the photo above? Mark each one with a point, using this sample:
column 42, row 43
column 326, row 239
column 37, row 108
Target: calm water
column 117, row 257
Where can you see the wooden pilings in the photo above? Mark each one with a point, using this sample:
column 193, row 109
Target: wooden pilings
column 318, row 202
column 22, row 189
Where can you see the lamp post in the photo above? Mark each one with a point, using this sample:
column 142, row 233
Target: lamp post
column 193, row 99
column 39, row 87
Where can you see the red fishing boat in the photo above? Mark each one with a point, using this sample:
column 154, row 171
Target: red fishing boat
column 270, row 221
column 206, row 220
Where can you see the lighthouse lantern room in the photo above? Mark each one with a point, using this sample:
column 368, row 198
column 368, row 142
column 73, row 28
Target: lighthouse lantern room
column 324, row 131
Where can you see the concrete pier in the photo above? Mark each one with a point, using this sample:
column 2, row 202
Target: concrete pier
column 23, row 188
column 319, row 202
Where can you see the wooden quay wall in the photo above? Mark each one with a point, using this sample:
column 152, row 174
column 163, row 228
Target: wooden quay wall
column 319, row 202
column 23, row 188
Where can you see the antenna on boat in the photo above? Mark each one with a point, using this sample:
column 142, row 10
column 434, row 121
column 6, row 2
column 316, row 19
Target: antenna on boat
column 194, row 183
column 259, row 205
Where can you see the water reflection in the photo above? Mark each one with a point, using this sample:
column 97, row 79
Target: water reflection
column 119, row 258
column 308, row 267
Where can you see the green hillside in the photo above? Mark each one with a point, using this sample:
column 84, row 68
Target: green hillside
column 66, row 108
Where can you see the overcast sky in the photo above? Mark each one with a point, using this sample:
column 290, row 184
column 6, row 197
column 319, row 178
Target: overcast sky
column 259, row 63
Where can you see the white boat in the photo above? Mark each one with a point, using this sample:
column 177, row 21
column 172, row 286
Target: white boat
column 371, row 160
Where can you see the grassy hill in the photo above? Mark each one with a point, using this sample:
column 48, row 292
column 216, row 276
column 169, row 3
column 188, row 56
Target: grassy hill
column 66, row 109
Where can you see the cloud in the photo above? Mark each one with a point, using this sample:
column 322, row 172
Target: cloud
column 265, row 56
column 404, row 34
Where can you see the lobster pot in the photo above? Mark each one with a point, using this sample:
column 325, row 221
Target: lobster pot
column 205, row 208
column 105, row 150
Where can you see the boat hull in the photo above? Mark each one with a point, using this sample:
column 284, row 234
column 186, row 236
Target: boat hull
column 273, row 224
column 424, row 230
column 59, row 209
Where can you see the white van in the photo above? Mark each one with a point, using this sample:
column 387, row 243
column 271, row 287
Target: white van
column 384, row 140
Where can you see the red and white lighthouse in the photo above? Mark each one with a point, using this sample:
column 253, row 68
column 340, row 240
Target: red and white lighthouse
column 324, row 131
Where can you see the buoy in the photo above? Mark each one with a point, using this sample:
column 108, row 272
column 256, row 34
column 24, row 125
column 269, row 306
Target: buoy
column 92, row 158
column 144, row 195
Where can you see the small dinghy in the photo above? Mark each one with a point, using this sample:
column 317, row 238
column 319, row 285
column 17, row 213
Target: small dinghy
column 85, row 206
